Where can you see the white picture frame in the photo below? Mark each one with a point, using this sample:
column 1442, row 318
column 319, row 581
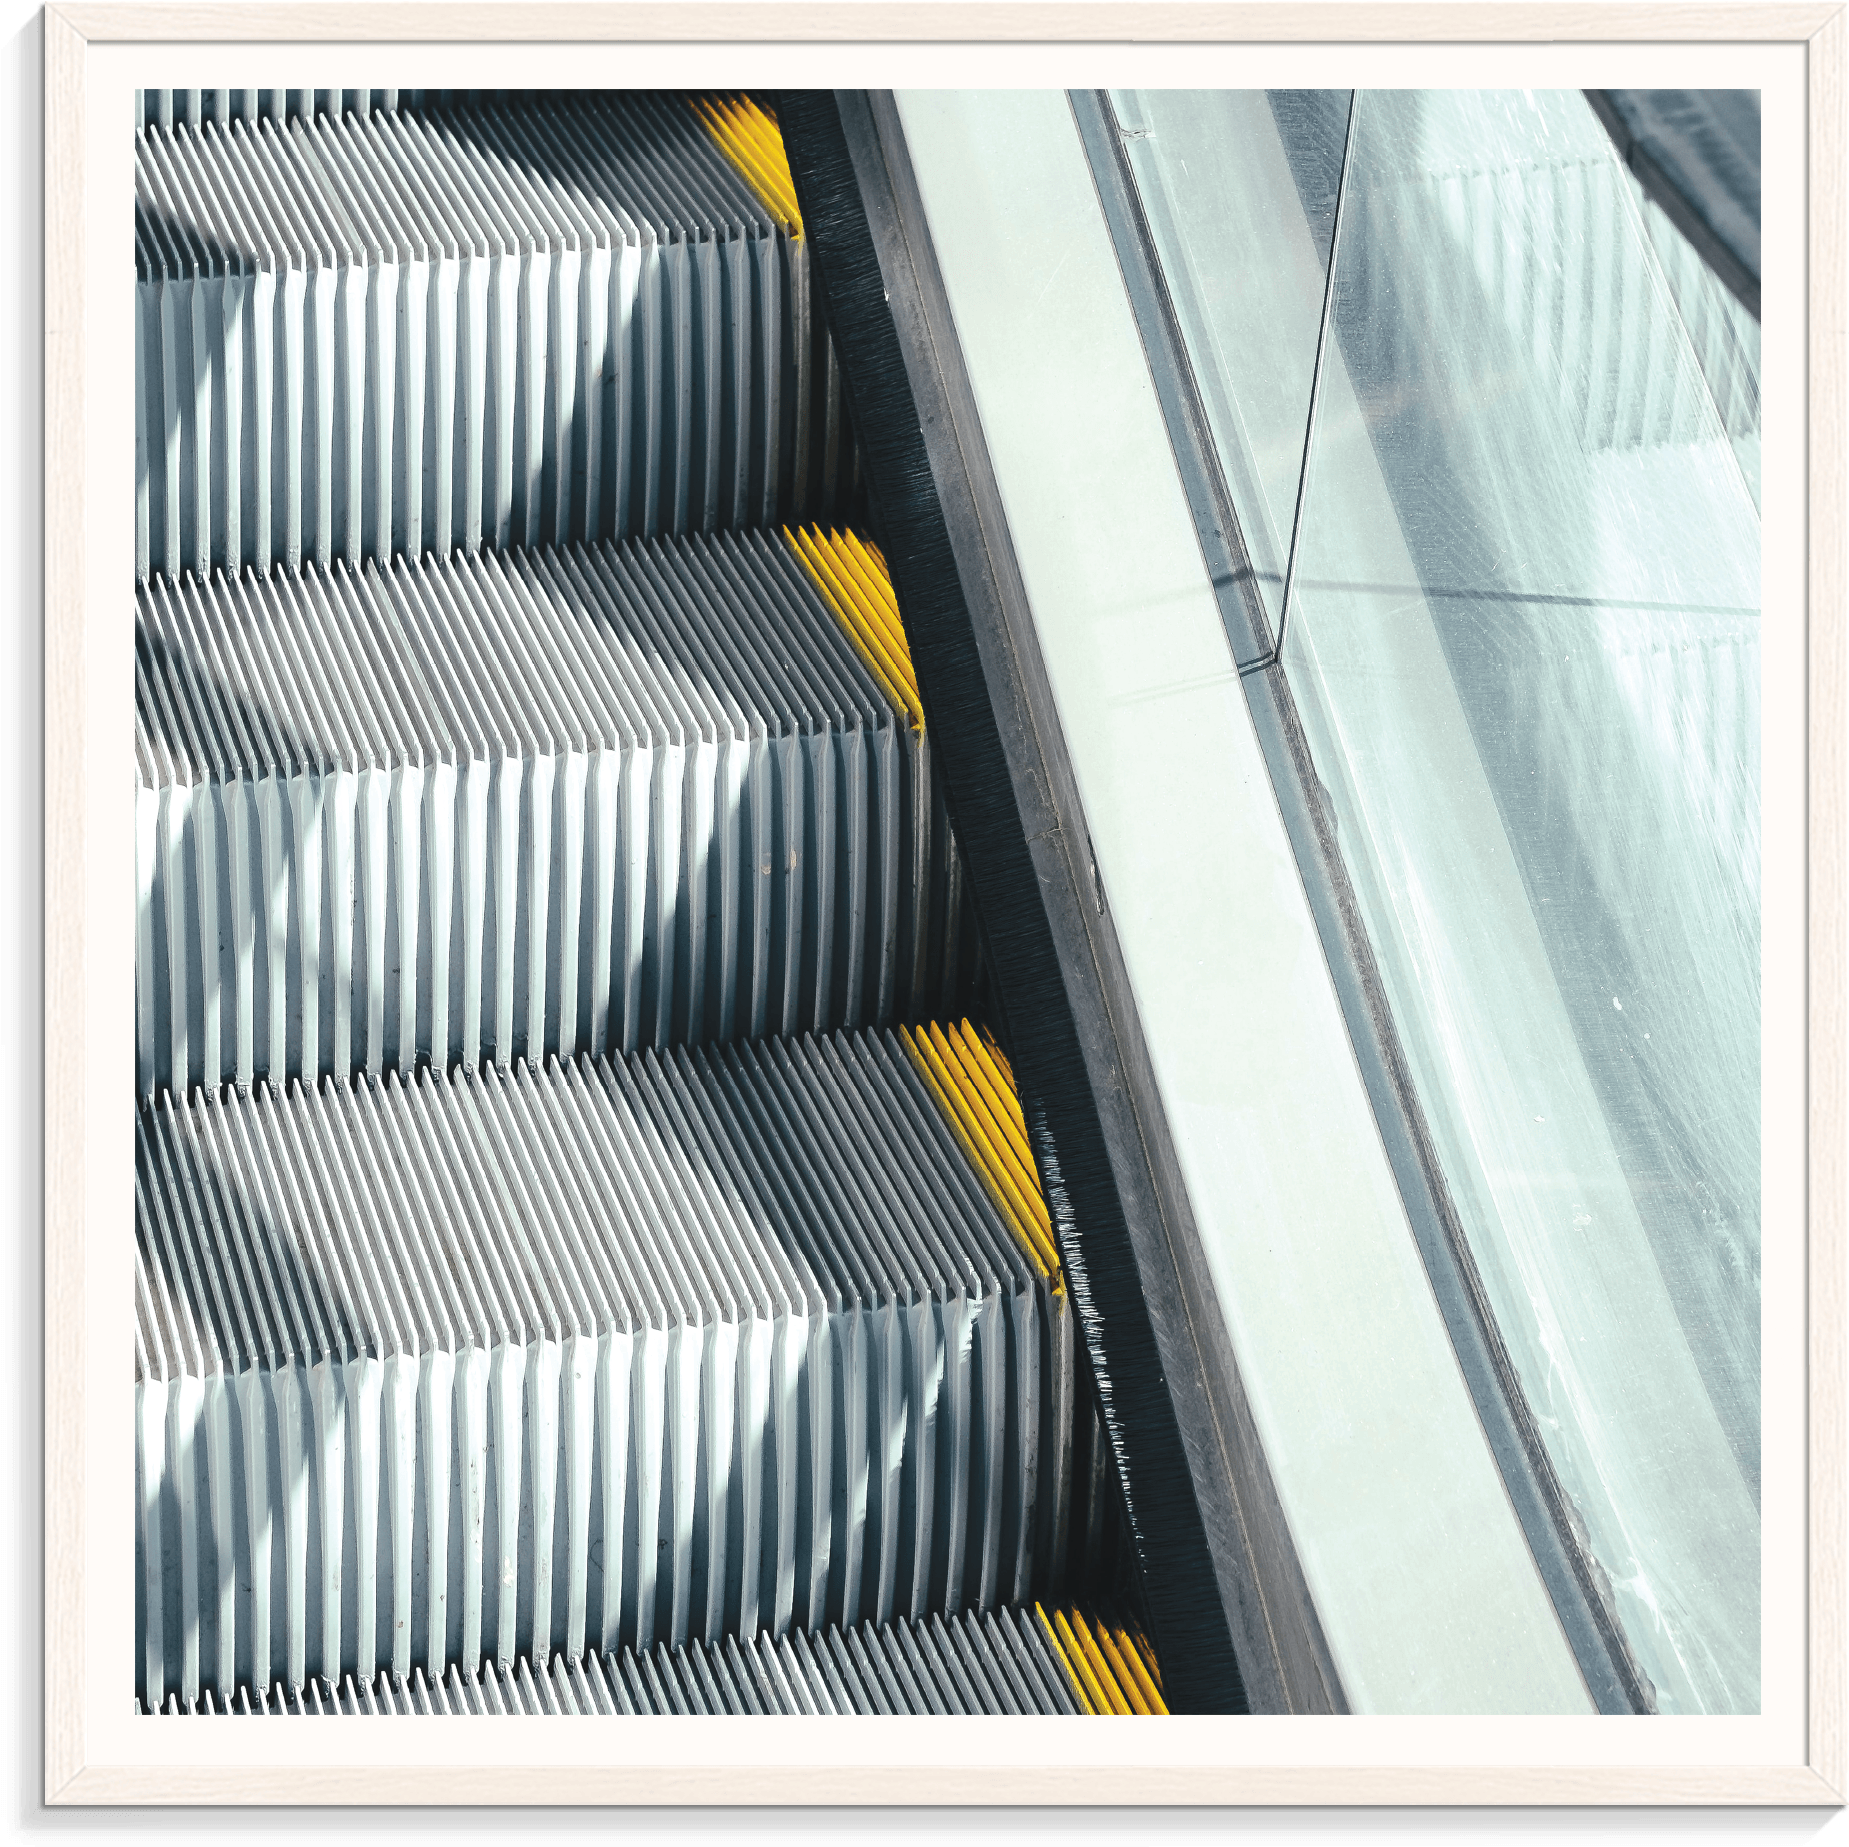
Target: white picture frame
column 87, row 979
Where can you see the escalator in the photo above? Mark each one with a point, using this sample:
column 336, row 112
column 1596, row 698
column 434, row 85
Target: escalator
column 591, row 1256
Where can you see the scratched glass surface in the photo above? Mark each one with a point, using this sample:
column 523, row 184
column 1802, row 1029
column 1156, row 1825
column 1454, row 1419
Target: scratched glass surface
column 1244, row 237
column 1524, row 641
column 1724, row 336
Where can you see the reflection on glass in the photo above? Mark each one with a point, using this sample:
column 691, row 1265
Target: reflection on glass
column 1724, row 336
column 1525, row 648
column 1189, row 147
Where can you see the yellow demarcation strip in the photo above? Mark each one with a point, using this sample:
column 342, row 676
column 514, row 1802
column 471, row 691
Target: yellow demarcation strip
column 1121, row 1655
column 979, row 1103
column 992, row 1101
column 1077, row 1634
column 853, row 583
column 750, row 139
column 1098, row 1662
column 989, row 1071
column 1139, row 1658
column 929, row 1048
column 868, row 568
column 1059, row 1633
column 1148, row 1656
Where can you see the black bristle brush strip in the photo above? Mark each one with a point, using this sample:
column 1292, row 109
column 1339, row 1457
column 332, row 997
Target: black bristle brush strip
column 892, row 328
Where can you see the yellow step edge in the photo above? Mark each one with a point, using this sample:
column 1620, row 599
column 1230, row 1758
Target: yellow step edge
column 764, row 169
column 766, row 147
column 952, row 1049
column 890, row 667
column 1126, row 1677
column 997, row 1083
column 1013, row 1154
column 1075, row 1675
column 831, row 555
column 878, row 585
column 886, row 642
column 753, row 143
column 870, row 551
column 1004, row 1105
column 1113, row 1692
column 1127, row 1646
column 873, row 592
column 1111, row 1668
column 994, row 1062
column 1101, row 1665
column 998, row 1056
column 843, row 614
column 1017, row 1210
column 853, row 578
column 1108, row 1701
column 966, row 1073
column 1148, row 1655
column 938, row 1082
column 725, row 122
column 870, row 559
column 732, row 129
column 953, row 1117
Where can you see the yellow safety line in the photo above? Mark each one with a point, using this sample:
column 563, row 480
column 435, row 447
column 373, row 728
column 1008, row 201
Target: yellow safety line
column 808, row 554
column 870, row 571
column 1004, row 1105
column 1089, row 1692
column 1106, row 1677
column 1104, row 1698
column 997, row 1084
column 732, row 127
column 1020, row 1193
column 979, row 1156
column 1017, row 1163
column 752, row 141
column 865, row 577
column 1127, row 1641
column 883, row 650
column 966, row 1073
column 1120, row 1668
column 1051, row 1637
column 1149, row 1660
column 760, row 146
column 1103, row 1667
column 997, row 1056
column 1110, row 1701
column 878, row 556
column 984, row 1115
column 876, row 607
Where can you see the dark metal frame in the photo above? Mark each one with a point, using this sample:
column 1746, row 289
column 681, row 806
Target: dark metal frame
column 1683, row 211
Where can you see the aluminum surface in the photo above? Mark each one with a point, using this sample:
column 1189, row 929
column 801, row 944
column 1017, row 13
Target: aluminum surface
column 1003, row 1662
column 498, row 805
column 657, row 1349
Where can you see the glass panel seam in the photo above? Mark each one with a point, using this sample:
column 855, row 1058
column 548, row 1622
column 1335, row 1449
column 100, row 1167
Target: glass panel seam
column 1574, row 1579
